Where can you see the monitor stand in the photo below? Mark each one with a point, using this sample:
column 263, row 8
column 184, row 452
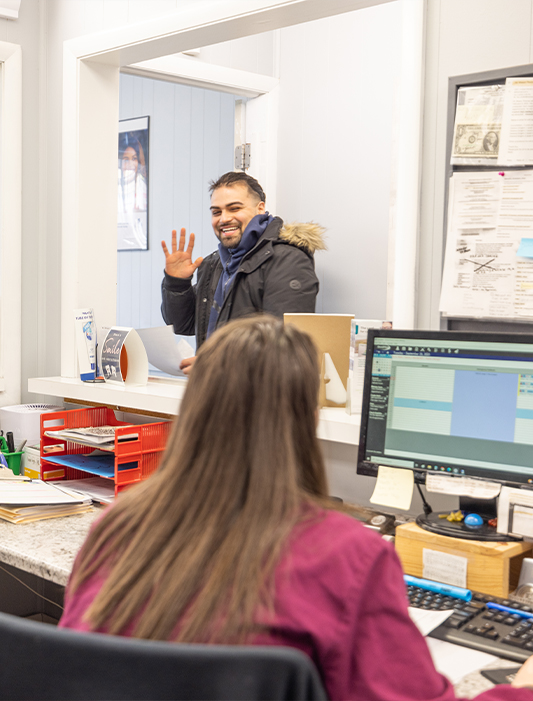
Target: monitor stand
column 486, row 508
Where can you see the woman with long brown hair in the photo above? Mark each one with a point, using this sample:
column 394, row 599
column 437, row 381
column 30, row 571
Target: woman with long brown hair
column 233, row 539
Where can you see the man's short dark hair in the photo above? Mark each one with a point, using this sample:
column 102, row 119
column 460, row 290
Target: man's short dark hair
column 233, row 177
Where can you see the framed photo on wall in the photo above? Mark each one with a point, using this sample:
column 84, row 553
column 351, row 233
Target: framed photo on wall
column 133, row 177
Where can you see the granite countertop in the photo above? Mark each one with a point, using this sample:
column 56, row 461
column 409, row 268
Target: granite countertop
column 475, row 683
column 46, row 548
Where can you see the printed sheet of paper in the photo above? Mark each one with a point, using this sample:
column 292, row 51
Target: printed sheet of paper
column 489, row 215
column 524, row 289
column 164, row 351
column 7, row 474
column 478, row 122
column 36, row 492
column 443, row 567
column 456, row 661
column 462, row 486
column 394, row 488
column 427, row 620
column 476, row 200
column 356, row 374
column 516, row 147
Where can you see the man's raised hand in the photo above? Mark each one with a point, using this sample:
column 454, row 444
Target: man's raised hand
column 179, row 263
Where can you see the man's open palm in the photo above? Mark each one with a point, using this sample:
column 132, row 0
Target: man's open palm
column 179, row 263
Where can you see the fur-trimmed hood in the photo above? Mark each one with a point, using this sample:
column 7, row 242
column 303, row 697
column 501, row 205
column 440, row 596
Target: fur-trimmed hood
column 306, row 235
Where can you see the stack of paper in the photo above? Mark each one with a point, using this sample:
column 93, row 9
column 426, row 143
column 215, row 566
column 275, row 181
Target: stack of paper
column 102, row 437
column 98, row 489
column 23, row 500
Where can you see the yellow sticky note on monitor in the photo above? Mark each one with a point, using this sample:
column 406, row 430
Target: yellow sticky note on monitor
column 394, row 488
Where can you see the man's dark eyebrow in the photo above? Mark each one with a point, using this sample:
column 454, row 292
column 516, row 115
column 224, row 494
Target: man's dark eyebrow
column 230, row 204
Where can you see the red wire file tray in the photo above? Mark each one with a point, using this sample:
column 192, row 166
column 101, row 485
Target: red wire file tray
column 133, row 456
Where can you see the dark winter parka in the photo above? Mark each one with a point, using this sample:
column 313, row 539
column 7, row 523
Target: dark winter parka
column 276, row 276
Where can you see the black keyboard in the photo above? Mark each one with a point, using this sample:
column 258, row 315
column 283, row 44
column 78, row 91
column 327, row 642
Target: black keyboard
column 474, row 625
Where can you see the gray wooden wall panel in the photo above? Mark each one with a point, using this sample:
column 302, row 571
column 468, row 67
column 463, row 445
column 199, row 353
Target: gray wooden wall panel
column 191, row 143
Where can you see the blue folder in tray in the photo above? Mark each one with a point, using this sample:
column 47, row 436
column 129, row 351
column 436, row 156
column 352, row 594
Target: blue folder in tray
column 103, row 465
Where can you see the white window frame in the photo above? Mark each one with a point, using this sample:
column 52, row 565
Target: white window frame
column 90, row 115
column 10, row 222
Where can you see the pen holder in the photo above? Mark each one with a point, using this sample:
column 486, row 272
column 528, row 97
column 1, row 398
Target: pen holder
column 13, row 461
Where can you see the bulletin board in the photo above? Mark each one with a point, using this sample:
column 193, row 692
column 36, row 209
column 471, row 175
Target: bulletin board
column 487, row 281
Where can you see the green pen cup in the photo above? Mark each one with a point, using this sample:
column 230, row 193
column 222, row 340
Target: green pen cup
column 12, row 459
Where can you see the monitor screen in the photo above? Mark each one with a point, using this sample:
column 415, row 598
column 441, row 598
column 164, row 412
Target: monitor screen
column 449, row 402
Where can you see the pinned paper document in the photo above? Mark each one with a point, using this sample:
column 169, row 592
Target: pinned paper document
column 516, row 148
column 394, row 488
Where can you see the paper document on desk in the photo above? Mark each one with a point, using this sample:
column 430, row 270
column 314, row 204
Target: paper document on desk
column 426, row 620
column 98, row 489
column 23, row 502
column 163, row 350
column 456, row 661
column 36, row 492
column 7, row 474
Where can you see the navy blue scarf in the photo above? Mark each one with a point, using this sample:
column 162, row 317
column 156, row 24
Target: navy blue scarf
column 231, row 259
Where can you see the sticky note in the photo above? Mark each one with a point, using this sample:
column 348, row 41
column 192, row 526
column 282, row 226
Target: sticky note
column 525, row 250
column 394, row 488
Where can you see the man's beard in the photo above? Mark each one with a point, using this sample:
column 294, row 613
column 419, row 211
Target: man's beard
column 230, row 242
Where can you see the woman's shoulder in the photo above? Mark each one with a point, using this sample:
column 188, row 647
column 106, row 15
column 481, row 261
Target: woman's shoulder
column 331, row 559
column 342, row 523
column 338, row 538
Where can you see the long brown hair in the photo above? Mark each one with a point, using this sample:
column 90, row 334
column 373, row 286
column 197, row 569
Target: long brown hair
column 198, row 542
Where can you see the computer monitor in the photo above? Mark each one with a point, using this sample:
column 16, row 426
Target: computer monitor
column 449, row 402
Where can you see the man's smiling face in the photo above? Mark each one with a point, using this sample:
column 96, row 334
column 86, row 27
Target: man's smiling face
column 232, row 209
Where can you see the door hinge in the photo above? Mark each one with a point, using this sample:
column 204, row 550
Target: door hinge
column 242, row 157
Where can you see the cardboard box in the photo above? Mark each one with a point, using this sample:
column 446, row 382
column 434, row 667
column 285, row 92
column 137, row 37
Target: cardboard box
column 331, row 333
column 493, row 567
column 31, row 462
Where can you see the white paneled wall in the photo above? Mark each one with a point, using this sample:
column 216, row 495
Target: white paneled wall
column 337, row 79
column 191, row 143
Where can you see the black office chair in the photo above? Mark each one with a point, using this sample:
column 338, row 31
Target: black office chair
column 40, row 662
